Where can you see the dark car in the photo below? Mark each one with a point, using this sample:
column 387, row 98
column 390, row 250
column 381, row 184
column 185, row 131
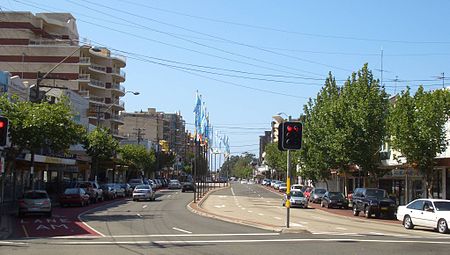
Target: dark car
column 128, row 189
column 316, row 195
column 72, row 196
column 93, row 189
column 373, row 201
column 334, row 200
column 187, row 186
column 109, row 191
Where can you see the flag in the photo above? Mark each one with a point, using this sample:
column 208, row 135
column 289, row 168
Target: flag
column 197, row 112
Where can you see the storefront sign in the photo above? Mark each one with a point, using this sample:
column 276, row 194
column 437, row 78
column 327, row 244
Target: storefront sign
column 50, row 160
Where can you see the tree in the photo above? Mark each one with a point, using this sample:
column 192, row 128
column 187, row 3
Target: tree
column 276, row 159
column 417, row 128
column 101, row 146
column 242, row 168
column 41, row 126
column 137, row 158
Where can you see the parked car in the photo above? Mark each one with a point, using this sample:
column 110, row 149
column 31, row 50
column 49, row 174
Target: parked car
column 134, row 182
column 109, row 191
column 373, row 201
column 316, row 195
column 143, row 192
column 265, row 182
column 334, row 200
column 35, row 201
column 152, row 183
column 277, row 184
column 187, row 186
column 93, row 189
column 120, row 191
column 282, row 187
column 272, row 183
column 174, row 184
column 307, row 192
column 431, row 213
column 128, row 189
column 72, row 196
column 296, row 187
column 297, row 199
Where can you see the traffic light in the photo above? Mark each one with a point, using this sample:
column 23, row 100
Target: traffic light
column 290, row 136
column 3, row 131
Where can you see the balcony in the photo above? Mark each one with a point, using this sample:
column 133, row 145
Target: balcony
column 118, row 87
column 98, row 68
column 85, row 61
column 97, row 83
column 53, row 42
column 120, row 104
column 95, row 99
column 84, row 77
column 119, row 72
column 117, row 118
column 84, row 93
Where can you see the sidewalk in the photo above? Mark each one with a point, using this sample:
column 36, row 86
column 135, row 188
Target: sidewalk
column 7, row 212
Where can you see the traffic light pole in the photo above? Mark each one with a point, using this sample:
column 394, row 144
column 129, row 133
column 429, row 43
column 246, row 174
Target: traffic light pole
column 288, row 185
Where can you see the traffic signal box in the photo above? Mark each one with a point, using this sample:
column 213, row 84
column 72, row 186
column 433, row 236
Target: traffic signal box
column 290, row 136
column 3, row 131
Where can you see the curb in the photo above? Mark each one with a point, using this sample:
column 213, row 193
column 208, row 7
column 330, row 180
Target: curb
column 197, row 209
column 5, row 226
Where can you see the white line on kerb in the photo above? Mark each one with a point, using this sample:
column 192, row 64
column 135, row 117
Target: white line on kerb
column 144, row 206
column 195, row 235
column 182, row 230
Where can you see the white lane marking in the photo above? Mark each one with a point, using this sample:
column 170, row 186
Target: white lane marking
column 318, row 218
column 232, row 192
column 6, row 243
column 95, row 208
column 139, row 215
column 296, row 225
column 194, row 235
column 339, row 228
column 277, row 218
column 250, row 211
column 222, row 196
column 219, row 206
column 303, row 222
column 377, row 233
column 261, row 214
column 144, row 206
column 256, row 241
column 336, row 234
column 169, row 195
column 182, row 230
column 242, row 208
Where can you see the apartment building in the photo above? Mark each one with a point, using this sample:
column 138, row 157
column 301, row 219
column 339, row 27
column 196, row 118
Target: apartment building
column 42, row 42
column 156, row 127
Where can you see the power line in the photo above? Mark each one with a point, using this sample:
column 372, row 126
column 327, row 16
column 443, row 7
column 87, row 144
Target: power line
column 287, row 31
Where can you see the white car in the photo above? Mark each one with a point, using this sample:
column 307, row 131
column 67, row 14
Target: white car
column 432, row 213
column 174, row 184
column 143, row 192
column 296, row 187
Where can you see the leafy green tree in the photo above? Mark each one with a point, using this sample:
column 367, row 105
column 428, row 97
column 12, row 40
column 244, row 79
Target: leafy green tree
column 243, row 167
column 137, row 158
column 276, row 159
column 417, row 128
column 101, row 146
column 41, row 126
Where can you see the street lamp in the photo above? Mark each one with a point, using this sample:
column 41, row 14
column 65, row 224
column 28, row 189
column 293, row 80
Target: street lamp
column 109, row 107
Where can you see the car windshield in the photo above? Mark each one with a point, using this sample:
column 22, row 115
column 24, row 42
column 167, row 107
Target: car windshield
column 71, row 191
column 320, row 191
column 142, row 187
column 335, row 195
column 378, row 193
column 35, row 195
column 174, row 181
column 442, row 205
column 296, row 194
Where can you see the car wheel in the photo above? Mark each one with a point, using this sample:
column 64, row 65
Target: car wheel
column 355, row 211
column 442, row 226
column 367, row 212
column 407, row 222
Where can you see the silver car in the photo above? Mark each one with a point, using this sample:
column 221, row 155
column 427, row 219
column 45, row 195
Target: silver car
column 35, row 201
column 174, row 184
column 143, row 192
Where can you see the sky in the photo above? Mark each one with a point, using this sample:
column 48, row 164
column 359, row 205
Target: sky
column 253, row 59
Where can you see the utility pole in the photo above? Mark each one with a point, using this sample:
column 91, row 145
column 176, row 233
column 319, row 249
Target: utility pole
column 139, row 134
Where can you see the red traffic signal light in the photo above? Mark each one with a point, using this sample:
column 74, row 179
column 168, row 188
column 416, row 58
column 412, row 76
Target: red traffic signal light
column 290, row 136
column 3, row 131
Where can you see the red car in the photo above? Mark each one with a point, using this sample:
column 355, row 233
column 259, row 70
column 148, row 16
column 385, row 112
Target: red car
column 307, row 192
column 76, row 196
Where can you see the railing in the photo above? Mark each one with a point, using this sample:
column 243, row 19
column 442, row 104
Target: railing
column 97, row 83
column 118, row 56
column 97, row 99
column 117, row 117
column 53, row 42
column 85, row 60
column 84, row 93
column 117, row 86
column 119, row 72
column 120, row 103
column 84, row 77
column 98, row 68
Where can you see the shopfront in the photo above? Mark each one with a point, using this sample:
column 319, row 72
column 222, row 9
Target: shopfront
column 403, row 184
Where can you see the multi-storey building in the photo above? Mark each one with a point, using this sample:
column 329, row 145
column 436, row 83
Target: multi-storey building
column 45, row 42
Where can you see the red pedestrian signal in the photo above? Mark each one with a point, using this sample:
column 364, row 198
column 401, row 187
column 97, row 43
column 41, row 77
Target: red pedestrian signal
column 290, row 135
column 3, row 131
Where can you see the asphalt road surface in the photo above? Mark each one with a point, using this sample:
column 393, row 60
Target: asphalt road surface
column 166, row 226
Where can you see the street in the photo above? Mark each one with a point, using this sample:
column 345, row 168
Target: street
column 166, row 226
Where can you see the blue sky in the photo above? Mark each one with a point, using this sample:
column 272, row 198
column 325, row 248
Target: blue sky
column 292, row 43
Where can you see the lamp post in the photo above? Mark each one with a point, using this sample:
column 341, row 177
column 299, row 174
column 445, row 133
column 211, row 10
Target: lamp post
column 109, row 107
